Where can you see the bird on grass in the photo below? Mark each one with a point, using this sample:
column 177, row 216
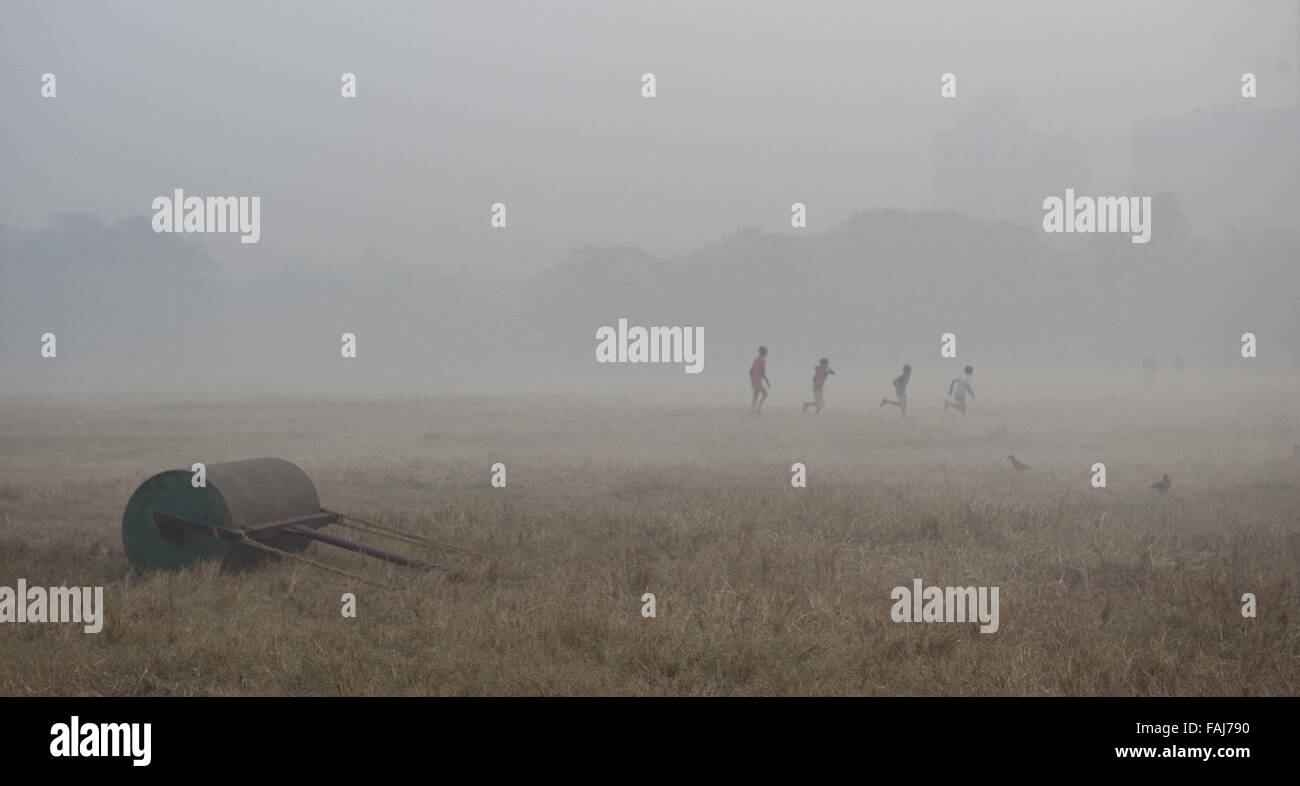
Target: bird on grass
column 1018, row 464
column 1163, row 484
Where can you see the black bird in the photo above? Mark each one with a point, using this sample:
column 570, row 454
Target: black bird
column 1163, row 484
column 1018, row 464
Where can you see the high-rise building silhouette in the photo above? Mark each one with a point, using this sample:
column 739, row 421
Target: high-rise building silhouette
column 1235, row 165
column 993, row 166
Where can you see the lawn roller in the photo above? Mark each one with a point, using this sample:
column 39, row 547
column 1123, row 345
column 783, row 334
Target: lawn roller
column 247, row 511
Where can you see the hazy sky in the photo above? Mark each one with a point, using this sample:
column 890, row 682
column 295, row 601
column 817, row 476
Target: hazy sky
column 538, row 105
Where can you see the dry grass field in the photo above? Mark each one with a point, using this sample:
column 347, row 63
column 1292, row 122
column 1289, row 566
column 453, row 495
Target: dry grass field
column 762, row 589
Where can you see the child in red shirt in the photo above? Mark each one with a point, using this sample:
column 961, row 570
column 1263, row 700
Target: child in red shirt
column 820, row 372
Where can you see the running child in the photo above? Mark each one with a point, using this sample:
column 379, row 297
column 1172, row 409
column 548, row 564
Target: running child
column 820, row 373
column 958, row 389
column 900, row 390
column 757, row 378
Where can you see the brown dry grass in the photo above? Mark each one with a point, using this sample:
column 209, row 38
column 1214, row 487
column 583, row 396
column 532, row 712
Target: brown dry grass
column 762, row 589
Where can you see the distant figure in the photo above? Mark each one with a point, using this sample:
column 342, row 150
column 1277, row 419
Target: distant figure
column 757, row 378
column 900, row 390
column 1149, row 368
column 1018, row 464
column 820, row 372
column 1163, row 484
column 1295, row 451
column 958, row 389
column 1178, row 367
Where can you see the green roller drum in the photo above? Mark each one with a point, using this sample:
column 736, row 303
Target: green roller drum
column 238, row 495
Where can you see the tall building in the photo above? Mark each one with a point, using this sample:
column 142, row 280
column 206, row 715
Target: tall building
column 1227, row 167
column 992, row 166
column 1236, row 165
